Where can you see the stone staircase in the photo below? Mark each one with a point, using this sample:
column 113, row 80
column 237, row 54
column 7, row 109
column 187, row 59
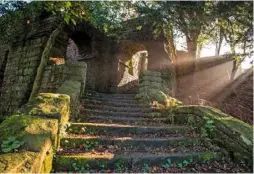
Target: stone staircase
column 114, row 133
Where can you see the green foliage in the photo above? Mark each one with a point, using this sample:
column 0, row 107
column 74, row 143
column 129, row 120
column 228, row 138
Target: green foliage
column 200, row 21
column 90, row 144
column 146, row 168
column 11, row 144
column 168, row 164
column 119, row 166
column 208, row 129
column 139, row 27
column 80, row 169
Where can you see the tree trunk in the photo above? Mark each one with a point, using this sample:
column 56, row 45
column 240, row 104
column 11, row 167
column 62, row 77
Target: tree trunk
column 234, row 69
column 218, row 44
column 44, row 59
column 198, row 51
column 192, row 50
column 171, row 51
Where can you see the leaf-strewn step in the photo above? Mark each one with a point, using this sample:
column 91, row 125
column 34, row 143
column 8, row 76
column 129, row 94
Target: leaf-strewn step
column 125, row 130
column 64, row 163
column 122, row 100
column 118, row 109
column 128, row 142
column 124, row 120
column 114, row 103
column 111, row 113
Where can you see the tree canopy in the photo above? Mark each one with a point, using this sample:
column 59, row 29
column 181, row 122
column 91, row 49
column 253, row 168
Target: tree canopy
column 199, row 21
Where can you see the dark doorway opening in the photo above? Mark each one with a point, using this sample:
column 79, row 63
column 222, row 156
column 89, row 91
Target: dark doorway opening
column 79, row 47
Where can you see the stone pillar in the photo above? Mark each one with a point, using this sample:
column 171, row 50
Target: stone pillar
column 144, row 62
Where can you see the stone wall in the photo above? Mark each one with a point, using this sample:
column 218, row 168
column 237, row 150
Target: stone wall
column 138, row 29
column 225, row 131
column 139, row 33
column 55, row 75
column 92, row 70
column 126, row 65
column 183, row 64
column 4, row 51
column 22, row 62
column 38, row 124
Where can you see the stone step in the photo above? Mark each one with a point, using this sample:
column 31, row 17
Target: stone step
column 122, row 100
column 118, row 109
column 124, row 120
column 98, row 161
column 109, row 97
column 88, row 112
column 125, row 130
column 114, row 103
column 104, row 95
column 90, row 143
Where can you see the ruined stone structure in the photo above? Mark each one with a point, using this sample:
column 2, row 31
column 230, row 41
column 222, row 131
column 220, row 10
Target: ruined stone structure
column 106, row 59
column 82, row 56
column 113, row 64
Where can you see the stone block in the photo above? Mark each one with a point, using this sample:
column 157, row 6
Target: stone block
column 48, row 105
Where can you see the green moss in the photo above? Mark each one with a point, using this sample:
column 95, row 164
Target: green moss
column 32, row 125
column 34, row 131
column 151, row 73
column 65, row 163
column 47, row 105
column 155, row 115
column 230, row 133
column 71, row 142
column 18, row 162
column 151, row 79
column 47, row 163
column 207, row 156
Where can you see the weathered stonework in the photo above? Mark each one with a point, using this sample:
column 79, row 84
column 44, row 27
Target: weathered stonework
column 22, row 62
column 38, row 124
column 55, row 75
column 229, row 133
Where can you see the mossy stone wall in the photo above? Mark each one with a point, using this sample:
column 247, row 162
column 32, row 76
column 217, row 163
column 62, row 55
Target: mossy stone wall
column 22, row 62
column 38, row 124
column 229, row 133
column 151, row 88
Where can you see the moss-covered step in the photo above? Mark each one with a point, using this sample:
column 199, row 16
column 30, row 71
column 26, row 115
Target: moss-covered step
column 112, row 113
column 65, row 163
column 179, row 119
column 119, row 109
column 128, row 142
column 125, row 130
column 123, row 120
column 114, row 103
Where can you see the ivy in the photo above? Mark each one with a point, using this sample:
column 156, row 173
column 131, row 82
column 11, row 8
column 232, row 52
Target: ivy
column 11, row 144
